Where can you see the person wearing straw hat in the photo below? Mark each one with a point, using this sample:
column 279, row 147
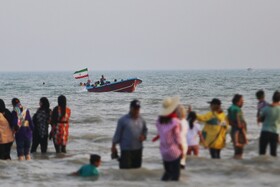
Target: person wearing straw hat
column 168, row 126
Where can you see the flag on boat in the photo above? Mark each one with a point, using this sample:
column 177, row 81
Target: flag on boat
column 81, row 73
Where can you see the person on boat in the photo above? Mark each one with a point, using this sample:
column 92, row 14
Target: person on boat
column 102, row 80
column 88, row 82
column 6, row 133
column 215, row 128
column 23, row 126
column 41, row 120
column 60, row 125
column 97, row 83
column 130, row 133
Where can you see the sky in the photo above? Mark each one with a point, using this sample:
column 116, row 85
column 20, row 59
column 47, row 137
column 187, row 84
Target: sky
column 68, row 35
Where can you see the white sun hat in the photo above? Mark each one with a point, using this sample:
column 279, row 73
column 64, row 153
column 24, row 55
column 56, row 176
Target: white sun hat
column 169, row 105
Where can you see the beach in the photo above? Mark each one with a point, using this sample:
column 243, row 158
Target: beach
column 94, row 118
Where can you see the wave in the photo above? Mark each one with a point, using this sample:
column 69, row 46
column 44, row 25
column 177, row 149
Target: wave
column 87, row 120
column 93, row 137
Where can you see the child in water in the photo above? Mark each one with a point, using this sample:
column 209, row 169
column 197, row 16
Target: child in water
column 260, row 95
column 90, row 169
column 241, row 134
column 194, row 135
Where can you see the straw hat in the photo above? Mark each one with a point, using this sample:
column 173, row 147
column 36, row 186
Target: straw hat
column 169, row 105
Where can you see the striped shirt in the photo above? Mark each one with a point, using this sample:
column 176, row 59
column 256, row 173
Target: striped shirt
column 170, row 139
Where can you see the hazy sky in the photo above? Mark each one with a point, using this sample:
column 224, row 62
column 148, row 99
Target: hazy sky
column 139, row 34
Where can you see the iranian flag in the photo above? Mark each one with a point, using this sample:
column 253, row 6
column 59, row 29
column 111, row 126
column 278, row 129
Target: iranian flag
column 81, row 74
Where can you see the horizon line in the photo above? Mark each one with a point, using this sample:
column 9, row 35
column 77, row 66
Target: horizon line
column 135, row 70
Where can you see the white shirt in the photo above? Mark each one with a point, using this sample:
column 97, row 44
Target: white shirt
column 192, row 135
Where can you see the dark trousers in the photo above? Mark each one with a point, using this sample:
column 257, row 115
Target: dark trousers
column 172, row 170
column 5, row 151
column 23, row 147
column 215, row 153
column 59, row 148
column 271, row 139
column 130, row 159
column 238, row 151
column 36, row 141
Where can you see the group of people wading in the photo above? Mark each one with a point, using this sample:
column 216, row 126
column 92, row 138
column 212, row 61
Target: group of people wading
column 179, row 133
column 177, row 129
column 29, row 132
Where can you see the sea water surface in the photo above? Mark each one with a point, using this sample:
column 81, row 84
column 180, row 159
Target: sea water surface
column 94, row 118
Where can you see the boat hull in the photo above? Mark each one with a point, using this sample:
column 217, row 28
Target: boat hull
column 128, row 85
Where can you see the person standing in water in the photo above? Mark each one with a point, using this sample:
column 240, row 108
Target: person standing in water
column 168, row 127
column 238, row 125
column 215, row 128
column 41, row 120
column 60, row 125
column 23, row 126
column 130, row 133
column 6, row 133
column 270, row 116
column 182, row 115
column 194, row 135
column 260, row 95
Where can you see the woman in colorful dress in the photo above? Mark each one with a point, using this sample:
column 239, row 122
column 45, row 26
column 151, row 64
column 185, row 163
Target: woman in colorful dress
column 41, row 120
column 23, row 126
column 60, row 125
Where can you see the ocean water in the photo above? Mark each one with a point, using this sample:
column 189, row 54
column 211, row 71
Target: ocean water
column 94, row 118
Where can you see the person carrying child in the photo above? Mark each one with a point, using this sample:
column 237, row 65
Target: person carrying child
column 270, row 116
column 238, row 125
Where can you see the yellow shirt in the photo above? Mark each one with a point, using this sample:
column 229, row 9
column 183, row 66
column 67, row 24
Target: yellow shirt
column 215, row 129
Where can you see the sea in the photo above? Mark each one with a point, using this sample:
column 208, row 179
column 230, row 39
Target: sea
column 95, row 115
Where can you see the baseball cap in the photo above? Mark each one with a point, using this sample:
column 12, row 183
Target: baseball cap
column 215, row 101
column 135, row 104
